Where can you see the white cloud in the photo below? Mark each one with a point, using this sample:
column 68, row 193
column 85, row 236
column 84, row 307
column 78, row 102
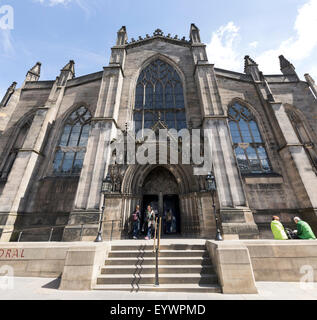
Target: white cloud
column 6, row 43
column 222, row 48
column 53, row 2
column 253, row 44
column 298, row 47
column 85, row 5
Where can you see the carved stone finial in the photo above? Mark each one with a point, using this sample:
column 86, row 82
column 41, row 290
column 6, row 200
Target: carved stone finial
column 176, row 37
column 158, row 32
column 194, row 34
column 34, row 73
column 122, row 36
column 140, row 38
column 8, row 94
column 70, row 66
column 132, row 40
column 147, row 36
column 249, row 62
column 286, row 67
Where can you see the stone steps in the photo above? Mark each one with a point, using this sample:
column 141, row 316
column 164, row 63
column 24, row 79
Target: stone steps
column 163, row 261
column 150, row 269
column 188, row 288
column 163, row 253
column 182, row 268
column 146, row 247
column 192, row 278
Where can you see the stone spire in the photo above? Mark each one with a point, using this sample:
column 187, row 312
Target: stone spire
column 286, row 67
column 122, row 36
column 34, row 73
column 70, row 67
column 67, row 73
column 8, row 94
column 311, row 83
column 194, row 34
column 251, row 68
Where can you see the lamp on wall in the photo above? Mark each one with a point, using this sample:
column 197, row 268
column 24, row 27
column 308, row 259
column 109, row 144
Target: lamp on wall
column 212, row 187
column 106, row 188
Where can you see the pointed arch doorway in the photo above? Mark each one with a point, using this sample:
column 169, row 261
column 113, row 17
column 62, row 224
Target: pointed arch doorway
column 160, row 190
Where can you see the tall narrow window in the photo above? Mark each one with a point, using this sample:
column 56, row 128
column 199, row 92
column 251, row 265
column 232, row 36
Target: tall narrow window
column 247, row 141
column 70, row 153
column 159, row 95
column 18, row 144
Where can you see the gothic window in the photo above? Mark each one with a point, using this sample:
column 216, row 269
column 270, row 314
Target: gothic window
column 18, row 144
column 159, row 95
column 70, row 153
column 247, row 141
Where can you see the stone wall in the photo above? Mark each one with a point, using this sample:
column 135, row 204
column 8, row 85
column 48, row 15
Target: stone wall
column 287, row 260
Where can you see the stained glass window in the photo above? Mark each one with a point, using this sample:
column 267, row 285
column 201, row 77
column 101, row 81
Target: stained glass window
column 70, row 153
column 247, row 141
column 159, row 93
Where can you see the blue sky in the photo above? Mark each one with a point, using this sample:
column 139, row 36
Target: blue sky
column 55, row 31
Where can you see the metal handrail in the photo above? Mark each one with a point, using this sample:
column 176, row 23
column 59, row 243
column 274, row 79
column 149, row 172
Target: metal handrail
column 52, row 228
column 156, row 248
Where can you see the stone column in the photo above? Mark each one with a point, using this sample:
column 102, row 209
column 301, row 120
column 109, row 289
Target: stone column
column 293, row 152
column 237, row 218
column 88, row 198
column 311, row 83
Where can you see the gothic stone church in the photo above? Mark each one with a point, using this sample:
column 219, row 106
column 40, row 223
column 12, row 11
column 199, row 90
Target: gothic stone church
column 55, row 145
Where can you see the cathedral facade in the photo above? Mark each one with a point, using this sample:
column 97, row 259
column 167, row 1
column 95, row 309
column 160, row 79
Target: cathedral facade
column 57, row 143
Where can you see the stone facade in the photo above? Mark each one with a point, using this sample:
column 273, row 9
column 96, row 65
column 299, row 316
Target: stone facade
column 33, row 197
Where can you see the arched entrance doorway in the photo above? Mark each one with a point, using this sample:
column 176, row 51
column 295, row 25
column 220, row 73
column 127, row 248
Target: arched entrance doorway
column 160, row 190
column 170, row 184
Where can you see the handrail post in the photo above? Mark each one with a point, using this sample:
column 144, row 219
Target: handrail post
column 157, row 282
column 81, row 232
column 20, row 235
column 51, row 234
column 155, row 234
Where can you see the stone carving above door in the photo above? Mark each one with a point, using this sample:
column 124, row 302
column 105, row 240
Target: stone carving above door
column 160, row 180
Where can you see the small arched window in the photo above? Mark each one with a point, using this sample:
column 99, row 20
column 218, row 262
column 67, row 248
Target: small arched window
column 70, row 153
column 247, row 141
column 159, row 95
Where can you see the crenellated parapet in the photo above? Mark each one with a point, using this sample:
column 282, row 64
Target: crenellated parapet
column 158, row 34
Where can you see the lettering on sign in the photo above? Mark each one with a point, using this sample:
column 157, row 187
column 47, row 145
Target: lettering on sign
column 11, row 253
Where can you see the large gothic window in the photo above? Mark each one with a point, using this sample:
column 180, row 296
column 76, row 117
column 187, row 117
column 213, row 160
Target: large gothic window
column 159, row 95
column 247, row 141
column 71, row 149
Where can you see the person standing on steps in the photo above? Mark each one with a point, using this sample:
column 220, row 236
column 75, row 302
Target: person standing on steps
column 150, row 221
column 136, row 222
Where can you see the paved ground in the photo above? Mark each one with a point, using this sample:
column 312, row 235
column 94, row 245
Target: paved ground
column 46, row 289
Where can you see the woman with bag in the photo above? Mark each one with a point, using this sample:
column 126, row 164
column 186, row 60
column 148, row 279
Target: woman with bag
column 150, row 220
